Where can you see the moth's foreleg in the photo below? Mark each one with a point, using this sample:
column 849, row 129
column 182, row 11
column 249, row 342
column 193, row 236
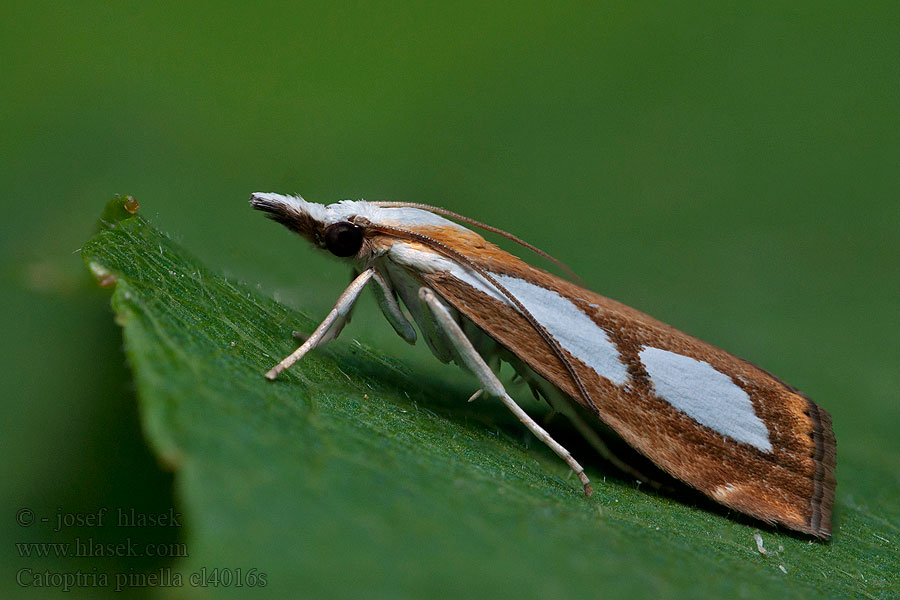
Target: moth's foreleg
column 489, row 382
column 323, row 332
column 334, row 330
column 338, row 326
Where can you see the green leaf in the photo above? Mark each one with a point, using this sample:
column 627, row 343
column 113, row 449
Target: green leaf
column 350, row 477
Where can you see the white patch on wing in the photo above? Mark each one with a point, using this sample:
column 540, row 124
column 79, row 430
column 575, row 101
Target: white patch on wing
column 708, row 396
column 574, row 330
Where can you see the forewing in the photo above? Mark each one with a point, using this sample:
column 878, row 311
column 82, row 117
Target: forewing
column 712, row 420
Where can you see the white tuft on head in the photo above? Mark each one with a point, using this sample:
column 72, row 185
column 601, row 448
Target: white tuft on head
column 341, row 211
column 290, row 204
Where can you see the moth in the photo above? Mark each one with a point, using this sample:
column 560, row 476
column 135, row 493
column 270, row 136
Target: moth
column 719, row 424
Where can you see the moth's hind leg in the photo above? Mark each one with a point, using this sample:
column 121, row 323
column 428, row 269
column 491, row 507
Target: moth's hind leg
column 562, row 404
column 489, row 382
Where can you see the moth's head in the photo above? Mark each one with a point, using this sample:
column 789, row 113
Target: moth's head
column 338, row 228
column 359, row 229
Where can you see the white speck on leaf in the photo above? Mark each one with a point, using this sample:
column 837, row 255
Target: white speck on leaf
column 759, row 544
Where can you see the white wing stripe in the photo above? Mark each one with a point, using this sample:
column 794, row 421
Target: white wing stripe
column 574, row 330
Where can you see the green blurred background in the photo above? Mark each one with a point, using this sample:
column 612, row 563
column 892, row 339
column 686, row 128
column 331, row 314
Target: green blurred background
column 732, row 170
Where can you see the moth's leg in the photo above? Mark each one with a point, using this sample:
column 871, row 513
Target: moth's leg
column 588, row 433
column 489, row 382
column 435, row 332
column 384, row 295
column 341, row 322
column 594, row 439
column 387, row 301
column 335, row 329
column 562, row 404
column 536, row 394
column 321, row 335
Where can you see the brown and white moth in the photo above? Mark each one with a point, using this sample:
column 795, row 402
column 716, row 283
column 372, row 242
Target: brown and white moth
column 717, row 423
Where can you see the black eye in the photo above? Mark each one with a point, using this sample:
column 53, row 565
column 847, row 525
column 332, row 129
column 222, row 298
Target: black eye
column 344, row 239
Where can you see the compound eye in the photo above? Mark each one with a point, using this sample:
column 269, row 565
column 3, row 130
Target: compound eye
column 344, row 239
